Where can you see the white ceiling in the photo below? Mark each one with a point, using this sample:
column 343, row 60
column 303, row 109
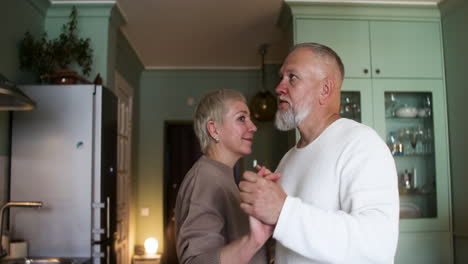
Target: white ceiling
column 207, row 33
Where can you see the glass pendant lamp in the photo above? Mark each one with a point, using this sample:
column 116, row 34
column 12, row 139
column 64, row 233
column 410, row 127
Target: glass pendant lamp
column 263, row 105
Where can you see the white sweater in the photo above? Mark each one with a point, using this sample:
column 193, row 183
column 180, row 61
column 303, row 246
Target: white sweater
column 342, row 204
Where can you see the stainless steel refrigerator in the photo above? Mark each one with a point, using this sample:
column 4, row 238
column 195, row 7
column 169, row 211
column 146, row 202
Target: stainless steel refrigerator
column 64, row 153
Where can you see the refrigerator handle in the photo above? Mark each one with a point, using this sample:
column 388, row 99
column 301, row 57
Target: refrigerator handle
column 108, row 254
column 108, row 217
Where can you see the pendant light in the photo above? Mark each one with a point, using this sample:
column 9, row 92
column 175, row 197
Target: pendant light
column 263, row 105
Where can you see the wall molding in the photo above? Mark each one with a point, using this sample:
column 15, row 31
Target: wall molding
column 389, row 10
column 211, row 68
column 377, row 2
column 40, row 5
column 203, row 68
column 85, row 8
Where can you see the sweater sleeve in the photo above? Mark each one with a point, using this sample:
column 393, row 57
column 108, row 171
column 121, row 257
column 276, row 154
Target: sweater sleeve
column 366, row 226
column 200, row 237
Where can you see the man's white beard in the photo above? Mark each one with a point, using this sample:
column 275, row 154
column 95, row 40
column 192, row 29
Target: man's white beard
column 291, row 118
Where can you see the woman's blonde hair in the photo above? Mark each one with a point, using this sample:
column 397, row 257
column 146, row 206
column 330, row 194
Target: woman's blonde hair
column 212, row 107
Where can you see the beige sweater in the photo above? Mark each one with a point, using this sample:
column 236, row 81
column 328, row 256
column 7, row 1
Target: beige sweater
column 208, row 214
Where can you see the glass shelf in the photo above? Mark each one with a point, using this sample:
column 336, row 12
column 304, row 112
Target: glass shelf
column 416, row 155
column 408, row 118
column 411, row 141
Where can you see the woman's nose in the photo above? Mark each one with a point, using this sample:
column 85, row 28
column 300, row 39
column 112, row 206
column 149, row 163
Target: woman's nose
column 252, row 127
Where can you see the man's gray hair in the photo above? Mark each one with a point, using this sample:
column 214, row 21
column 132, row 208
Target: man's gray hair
column 212, row 107
column 323, row 52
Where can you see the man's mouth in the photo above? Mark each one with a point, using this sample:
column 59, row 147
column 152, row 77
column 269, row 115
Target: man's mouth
column 283, row 103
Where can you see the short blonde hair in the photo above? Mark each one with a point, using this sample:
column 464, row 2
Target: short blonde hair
column 212, row 107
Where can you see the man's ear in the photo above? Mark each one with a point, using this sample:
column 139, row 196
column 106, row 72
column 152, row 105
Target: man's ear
column 326, row 91
column 212, row 129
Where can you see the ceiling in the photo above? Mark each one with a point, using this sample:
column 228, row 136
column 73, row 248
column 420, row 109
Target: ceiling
column 208, row 33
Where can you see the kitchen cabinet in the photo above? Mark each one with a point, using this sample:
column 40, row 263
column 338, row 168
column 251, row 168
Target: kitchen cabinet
column 379, row 49
column 394, row 83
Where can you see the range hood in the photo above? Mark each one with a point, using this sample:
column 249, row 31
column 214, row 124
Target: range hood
column 12, row 98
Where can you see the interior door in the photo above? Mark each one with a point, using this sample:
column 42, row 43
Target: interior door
column 123, row 241
column 181, row 150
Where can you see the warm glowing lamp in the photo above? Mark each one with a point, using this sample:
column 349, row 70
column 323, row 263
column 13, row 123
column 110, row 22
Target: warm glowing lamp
column 151, row 246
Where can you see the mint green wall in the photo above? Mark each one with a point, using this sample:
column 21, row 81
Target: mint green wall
column 454, row 21
column 163, row 96
column 93, row 23
column 127, row 62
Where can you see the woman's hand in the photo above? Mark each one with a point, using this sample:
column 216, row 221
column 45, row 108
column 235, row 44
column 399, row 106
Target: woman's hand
column 259, row 232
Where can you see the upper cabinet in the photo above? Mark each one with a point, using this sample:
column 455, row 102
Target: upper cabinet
column 385, row 46
column 407, row 49
column 349, row 38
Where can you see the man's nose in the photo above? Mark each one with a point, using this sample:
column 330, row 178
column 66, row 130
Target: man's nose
column 281, row 88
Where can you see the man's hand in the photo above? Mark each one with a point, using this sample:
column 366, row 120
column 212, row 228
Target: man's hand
column 261, row 197
column 266, row 173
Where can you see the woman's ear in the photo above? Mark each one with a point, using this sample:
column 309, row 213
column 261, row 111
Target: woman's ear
column 326, row 90
column 213, row 130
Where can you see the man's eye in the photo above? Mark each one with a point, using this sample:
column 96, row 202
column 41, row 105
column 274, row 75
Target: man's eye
column 292, row 77
column 242, row 118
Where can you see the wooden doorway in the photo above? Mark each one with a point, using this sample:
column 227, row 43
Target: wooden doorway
column 181, row 150
column 123, row 242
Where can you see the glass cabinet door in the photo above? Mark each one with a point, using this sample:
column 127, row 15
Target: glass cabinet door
column 356, row 96
column 409, row 135
column 350, row 106
column 412, row 122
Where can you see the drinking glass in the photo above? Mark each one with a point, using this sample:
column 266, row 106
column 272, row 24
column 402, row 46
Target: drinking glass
column 390, row 103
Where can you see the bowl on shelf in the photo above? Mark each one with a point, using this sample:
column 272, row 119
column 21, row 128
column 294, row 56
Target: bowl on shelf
column 406, row 111
column 424, row 112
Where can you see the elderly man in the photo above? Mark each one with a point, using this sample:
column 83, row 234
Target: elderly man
column 337, row 198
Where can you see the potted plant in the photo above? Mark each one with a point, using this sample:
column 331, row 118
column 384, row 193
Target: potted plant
column 51, row 59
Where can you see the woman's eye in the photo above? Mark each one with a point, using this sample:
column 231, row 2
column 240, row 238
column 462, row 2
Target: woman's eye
column 242, row 118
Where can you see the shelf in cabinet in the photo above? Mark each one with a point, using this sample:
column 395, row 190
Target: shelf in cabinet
column 413, row 192
column 408, row 118
column 428, row 155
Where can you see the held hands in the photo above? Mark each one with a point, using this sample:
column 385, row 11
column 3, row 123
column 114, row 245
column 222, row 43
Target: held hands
column 261, row 197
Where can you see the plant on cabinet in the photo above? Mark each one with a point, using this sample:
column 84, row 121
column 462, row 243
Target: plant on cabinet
column 51, row 59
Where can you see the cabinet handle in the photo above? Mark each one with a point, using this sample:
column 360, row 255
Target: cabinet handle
column 366, row 71
column 377, row 71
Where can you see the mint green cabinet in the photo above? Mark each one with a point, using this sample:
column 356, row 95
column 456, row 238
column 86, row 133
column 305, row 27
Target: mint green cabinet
column 394, row 82
column 406, row 49
column 349, row 38
column 379, row 49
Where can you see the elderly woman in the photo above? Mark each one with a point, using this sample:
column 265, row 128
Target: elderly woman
column 210, row 226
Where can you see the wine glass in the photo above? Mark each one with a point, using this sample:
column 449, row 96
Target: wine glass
column 427, row 104
column 413, row 138
column 390, row 103
column 404, row 135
